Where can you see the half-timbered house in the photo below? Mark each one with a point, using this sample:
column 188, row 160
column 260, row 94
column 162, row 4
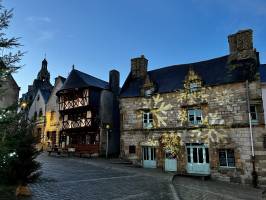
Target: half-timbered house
column 89, row 113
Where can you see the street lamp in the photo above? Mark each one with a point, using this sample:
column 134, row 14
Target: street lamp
column 107, row 126
column 23, row 105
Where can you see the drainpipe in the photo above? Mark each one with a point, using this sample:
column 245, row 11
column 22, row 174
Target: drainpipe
column 254, row 173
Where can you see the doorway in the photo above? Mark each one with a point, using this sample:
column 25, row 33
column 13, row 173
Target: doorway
column 149, row 157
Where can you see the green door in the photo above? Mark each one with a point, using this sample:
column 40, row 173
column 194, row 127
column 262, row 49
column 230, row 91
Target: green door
column 197, row 158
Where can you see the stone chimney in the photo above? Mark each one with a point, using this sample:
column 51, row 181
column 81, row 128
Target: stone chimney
column 241, row 44
column 30, row 87
column 114, row 81
column 139, row 67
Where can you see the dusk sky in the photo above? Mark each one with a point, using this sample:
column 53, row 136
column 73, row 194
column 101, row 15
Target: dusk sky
column 99, row 35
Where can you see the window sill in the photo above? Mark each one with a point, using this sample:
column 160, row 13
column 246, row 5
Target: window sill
column 226, row 169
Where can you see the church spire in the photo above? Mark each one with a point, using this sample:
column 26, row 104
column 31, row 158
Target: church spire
column 43, row 74
column 44, row 63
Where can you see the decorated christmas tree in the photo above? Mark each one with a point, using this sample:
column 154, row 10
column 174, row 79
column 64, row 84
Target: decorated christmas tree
column 17, row 141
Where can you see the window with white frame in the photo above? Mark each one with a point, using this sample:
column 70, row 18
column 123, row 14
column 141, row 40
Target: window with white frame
column 254, row 114
column 227, row 157
column 147, row 120
column 195, row 116
column 194, row 86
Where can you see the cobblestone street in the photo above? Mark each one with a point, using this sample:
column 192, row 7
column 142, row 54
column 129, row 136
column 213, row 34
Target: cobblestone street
column 81, row 178
column 75, row 178
column 193, row 188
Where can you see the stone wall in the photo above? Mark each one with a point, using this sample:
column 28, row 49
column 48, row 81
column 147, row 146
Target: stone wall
column 225, row 125
column 9, row 92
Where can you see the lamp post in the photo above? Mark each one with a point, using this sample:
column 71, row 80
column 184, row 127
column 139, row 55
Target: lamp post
column 107, row 139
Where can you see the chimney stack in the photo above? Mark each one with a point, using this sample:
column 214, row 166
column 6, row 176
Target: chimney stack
column 241, row 41
column 139, row 67
column 114, row 81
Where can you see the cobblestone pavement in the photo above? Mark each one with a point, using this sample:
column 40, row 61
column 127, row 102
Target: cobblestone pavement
column 82, row 179
column 90, row 179
column 193, row 188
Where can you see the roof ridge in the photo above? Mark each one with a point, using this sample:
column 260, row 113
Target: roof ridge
column 89, row 75
column 185, row 64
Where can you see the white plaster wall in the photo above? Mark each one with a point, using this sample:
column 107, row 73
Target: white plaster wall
column 52, row 104
column 36, row 106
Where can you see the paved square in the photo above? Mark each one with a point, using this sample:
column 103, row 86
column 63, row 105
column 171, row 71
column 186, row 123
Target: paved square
column 81, row 179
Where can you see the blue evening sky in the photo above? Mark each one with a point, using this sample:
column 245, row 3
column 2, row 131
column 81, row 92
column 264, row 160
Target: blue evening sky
column 100, row 35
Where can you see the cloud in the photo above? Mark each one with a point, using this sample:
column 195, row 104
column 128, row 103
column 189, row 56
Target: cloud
column 34, row 19
column 46, row 35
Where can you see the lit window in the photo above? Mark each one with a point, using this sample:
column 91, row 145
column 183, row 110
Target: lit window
column 147, row 120
column 254, row 114
column 195, row 116
column 227, row 158
column 193, row 87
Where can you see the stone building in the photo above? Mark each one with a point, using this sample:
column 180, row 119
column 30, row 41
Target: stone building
column 42, row 82
column 52, row 122
column 263, row 87
column 194, row 118
column 9, row 90
column 89, row 114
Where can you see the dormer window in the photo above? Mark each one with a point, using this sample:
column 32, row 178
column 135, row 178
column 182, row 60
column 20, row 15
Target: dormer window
column 195, row 116
column 149, row 92
column 147, row 120
column 194, row 87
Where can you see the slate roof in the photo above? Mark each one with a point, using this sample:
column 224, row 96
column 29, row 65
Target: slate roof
column 213, row 72
column 63, row 79
column 46, row 94
column 78, row 79
column 263, row 73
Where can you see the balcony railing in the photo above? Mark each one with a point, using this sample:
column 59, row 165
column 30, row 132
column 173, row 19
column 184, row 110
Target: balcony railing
column 80, row 123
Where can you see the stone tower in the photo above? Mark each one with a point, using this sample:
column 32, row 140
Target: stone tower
column 43, row 74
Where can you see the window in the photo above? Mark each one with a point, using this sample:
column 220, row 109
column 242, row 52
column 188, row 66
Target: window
column 254, row 114
column 40, row 113
column 38, row 97
column 227, row 158
column 35, row 115
column 149, row 92
column 195, row 116
column 132, row 149
column 193, row 87
column 147, row 120
column 52, row 118
column 264, row 141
